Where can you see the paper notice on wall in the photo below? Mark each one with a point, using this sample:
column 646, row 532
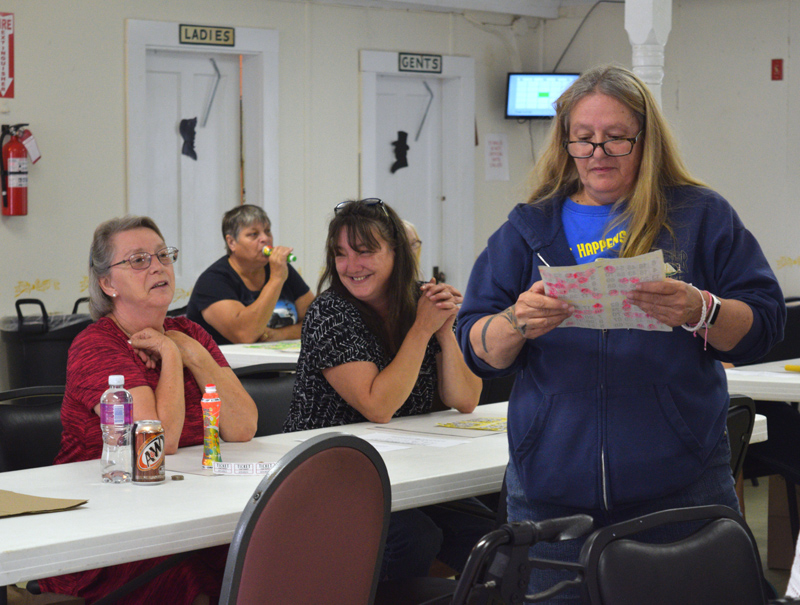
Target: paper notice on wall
column 598, row 291
column 496, row 154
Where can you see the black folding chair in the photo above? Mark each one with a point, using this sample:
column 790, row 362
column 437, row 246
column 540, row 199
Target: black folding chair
column 271, row 386
column 716, row 562
column 30, row 426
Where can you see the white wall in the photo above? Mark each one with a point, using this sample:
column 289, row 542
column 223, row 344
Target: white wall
column 737, row 129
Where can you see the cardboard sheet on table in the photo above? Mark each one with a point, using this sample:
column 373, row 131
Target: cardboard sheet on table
column 13, row 503
column 425, row 423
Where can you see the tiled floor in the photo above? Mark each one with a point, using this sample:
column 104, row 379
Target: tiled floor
column 755, row 506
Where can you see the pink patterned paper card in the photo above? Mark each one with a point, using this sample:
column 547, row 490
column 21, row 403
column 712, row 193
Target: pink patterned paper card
column 597, row 291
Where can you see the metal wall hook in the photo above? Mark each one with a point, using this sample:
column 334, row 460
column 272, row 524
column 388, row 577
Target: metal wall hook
column 213, row 93
column 430, row 92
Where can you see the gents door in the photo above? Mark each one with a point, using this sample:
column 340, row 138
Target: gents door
column 436, row 191
column 412, row 105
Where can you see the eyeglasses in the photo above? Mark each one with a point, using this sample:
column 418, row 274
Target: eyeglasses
column 370, row 201
column 142, row 260
column 613, row 147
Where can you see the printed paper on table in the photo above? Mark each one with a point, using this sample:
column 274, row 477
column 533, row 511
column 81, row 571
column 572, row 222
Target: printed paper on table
column 478, row 424
column 290, row 346
column 597, row 291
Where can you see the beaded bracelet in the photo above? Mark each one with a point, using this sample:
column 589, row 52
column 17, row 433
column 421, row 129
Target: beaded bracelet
column 693, row 328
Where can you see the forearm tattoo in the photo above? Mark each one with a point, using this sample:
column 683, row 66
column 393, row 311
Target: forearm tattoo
column 509, row 315
column 483, row 333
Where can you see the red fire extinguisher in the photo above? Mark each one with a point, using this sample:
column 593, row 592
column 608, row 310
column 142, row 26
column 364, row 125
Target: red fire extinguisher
column 14, row 170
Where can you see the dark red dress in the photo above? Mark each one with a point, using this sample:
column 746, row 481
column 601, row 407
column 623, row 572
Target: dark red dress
column 99, row 351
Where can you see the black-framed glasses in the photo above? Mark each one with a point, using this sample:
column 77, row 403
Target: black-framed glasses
column 612, row 147
column 370, row 201
column 142, row 260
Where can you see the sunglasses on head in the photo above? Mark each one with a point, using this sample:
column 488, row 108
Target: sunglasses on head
column 370, row 201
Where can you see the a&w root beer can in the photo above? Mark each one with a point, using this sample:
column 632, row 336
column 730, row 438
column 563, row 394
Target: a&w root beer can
column 148, row 452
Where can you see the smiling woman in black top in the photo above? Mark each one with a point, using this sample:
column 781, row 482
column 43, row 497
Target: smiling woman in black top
column 379, row 344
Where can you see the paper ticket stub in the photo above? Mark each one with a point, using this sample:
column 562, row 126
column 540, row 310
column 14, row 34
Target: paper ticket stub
column 598, row 291
column 242, row 468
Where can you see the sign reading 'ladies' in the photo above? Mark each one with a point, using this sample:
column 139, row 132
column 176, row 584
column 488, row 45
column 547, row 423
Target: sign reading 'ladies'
column 203, row 34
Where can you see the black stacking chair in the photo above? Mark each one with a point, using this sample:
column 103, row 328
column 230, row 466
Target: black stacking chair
column 271, row 386
column 718, row 562
column 779, row 455
column 496, row 390
column 741, row 418
column 30, row 427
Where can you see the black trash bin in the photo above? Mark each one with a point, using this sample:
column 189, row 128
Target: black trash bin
column 33, row 349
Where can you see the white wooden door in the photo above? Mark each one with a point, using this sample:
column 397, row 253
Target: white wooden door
column 187, row 197
column 405, row 104
column 441, row 163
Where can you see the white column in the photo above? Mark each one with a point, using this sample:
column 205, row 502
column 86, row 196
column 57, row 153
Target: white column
column 648, row 23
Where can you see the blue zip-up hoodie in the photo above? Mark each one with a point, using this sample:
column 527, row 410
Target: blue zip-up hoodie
column 601, row 418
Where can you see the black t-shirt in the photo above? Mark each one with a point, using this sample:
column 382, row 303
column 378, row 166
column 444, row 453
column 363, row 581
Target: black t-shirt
column 221, row 282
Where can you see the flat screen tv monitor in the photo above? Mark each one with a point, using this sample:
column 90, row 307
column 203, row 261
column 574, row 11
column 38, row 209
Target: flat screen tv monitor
column 533, row 95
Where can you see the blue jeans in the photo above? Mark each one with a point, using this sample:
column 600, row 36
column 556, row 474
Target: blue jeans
column 715, row 486
column 419, row 535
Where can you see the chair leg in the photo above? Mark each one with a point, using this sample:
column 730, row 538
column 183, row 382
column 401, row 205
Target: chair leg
column 794, row 522
column 3, row 595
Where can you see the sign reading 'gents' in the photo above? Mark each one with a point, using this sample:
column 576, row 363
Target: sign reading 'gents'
column 419, row 63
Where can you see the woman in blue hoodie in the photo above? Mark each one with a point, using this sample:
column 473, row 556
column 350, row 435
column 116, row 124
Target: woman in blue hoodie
column 622, row 422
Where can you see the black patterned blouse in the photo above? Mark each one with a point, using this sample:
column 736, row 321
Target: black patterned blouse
column 333, row 334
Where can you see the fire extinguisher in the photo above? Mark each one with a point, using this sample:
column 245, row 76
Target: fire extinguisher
column 14, row 170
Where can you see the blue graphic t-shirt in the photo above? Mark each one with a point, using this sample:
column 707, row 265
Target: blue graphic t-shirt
column 585, row 228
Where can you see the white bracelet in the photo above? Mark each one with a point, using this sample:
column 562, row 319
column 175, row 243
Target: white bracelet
column 702, row 323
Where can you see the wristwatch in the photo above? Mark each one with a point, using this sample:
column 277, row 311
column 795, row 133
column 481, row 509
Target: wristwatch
column 713, row 312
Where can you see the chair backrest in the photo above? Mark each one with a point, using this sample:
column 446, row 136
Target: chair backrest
column 496, row 390
column 498, row 568
column 718, row 563
column 271, row 386
column 741, row 418
column 30, row 426
column 789, row 347
column 315, row 529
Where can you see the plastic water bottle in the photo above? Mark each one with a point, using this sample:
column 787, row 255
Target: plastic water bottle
column 116, row 422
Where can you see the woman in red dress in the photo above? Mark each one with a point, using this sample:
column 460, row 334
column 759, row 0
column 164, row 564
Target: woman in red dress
column 165, row 361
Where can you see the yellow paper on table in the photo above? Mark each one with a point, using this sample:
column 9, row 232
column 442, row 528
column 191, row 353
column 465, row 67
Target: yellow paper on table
column 12, row 503
column 478, row 424
column 291, row 346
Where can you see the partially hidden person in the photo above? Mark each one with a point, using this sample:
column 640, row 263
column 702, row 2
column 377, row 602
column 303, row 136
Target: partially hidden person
column 248, row 296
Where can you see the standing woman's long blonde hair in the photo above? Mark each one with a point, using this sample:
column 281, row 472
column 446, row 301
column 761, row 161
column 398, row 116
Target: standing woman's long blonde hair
column 661, row 166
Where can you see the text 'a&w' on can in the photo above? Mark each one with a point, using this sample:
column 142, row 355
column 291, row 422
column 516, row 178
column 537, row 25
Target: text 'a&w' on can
column 148, row 452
